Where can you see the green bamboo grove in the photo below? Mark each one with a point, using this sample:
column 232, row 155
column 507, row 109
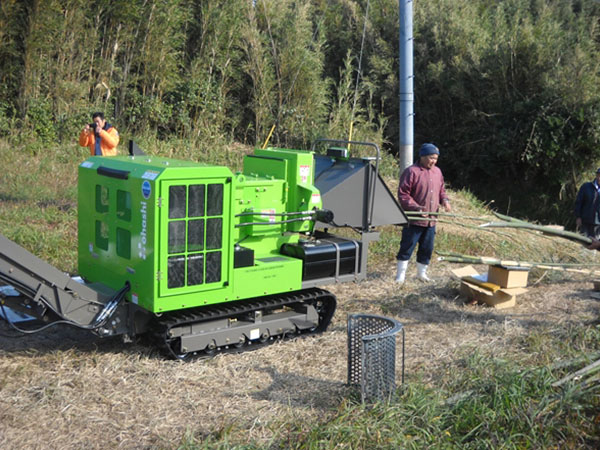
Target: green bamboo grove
column 507, row 89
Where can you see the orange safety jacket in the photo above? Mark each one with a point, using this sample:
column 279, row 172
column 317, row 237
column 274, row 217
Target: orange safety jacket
column 108, row 142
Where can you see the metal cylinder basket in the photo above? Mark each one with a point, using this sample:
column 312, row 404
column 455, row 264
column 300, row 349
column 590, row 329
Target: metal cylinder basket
column 372, row 356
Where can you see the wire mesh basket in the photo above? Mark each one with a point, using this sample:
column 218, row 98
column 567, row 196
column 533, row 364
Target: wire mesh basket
column 372, row 356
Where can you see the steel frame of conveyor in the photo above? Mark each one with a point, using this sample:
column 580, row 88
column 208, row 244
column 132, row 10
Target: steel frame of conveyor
column 49, row 288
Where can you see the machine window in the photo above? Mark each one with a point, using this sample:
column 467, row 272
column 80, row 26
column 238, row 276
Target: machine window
column 176, row 271
column 123, row 243
column 196, row 200
column 101, row 235
column 101, row 199
column 214, row 200
column 177, row 236
column 177, row 202
column 124, row 205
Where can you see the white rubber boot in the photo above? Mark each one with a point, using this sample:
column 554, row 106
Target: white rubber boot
column 401, row 273
column 422, row 272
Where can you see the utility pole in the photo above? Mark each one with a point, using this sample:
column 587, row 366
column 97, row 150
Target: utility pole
column 405, row 80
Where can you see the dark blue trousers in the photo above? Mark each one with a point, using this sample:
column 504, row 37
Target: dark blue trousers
column 413, row 235
column 591, row 230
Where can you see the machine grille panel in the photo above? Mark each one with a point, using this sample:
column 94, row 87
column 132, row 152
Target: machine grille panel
column 215, row 200
column 213, row 267
column 176, row 271
column 213, row 233
column 196, row 206
column 196, row 235
column 195, row 272
column 177, row 202
column 192, row 230
column 177, row 236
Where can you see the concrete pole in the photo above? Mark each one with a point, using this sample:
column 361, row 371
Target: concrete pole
column 405, row 63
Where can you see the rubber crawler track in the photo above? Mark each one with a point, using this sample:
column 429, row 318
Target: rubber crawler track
column 324, row 300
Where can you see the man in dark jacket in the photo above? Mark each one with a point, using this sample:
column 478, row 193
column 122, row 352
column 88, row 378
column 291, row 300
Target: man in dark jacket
column 587, row 207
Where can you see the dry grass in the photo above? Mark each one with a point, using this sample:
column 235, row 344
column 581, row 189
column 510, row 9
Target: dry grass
column 64, row 389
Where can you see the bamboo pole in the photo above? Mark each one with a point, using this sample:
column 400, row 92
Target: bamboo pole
column 464, row 225
column 576, row 237
column 508, row 218
column 595, row 366
column 458, row 255
column 500, row 262
column 513, row 219
column 428, row 213
column 485, row 260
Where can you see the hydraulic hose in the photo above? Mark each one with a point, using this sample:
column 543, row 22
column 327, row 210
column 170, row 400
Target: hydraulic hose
column 100, row 320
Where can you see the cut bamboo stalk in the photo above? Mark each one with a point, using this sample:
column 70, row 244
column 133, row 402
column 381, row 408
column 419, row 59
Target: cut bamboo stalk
column 428, row 213
column 502, row 262
column 571, row 362
column 585, row 371
column 508, row 218
column 458, row 255
column 464, row 225
column 546, row 230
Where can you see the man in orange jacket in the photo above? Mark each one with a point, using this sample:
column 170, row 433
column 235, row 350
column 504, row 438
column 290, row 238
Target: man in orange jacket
column 100, row 136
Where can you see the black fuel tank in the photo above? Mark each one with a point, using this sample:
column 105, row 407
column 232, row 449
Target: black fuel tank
column 321, row 255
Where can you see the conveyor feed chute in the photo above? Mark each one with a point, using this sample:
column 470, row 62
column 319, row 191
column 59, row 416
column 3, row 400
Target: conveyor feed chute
column 355, row 193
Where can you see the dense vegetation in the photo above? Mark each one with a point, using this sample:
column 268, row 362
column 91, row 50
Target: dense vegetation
column 508, row 88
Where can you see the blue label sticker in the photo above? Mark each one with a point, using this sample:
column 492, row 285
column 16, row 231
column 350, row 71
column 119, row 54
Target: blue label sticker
column 146, row 189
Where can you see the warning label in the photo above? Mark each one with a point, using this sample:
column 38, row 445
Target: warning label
column 304, row 173
column 269, row 214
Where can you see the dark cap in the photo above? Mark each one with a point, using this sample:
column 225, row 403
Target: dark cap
column 598, row 171
column 428, row 149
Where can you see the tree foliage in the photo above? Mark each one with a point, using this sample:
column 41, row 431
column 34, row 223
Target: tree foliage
column 507, row 89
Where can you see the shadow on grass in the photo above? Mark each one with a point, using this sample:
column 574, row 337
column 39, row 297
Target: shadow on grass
column 62, row 338
column 7, row 198
column 295, row 390
column 441, row 303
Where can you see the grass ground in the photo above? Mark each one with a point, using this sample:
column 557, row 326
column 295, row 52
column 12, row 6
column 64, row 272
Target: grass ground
column 476, row 377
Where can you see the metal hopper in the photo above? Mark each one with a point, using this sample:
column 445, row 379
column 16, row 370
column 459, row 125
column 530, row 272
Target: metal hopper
column 353, row 190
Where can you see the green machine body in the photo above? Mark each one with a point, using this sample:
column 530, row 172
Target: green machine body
column 204, row 259
column 185, row 234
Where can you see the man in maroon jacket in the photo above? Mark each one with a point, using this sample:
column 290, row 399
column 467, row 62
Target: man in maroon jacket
column 421, row 189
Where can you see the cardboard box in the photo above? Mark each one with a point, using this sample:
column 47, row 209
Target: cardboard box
column 508, row 276
column 477, row 287
column 500, row 299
